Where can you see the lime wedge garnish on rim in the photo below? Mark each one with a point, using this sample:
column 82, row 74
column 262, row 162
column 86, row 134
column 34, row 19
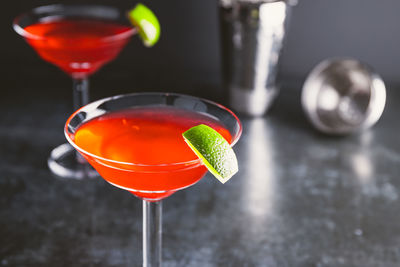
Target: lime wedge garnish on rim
column 147, row 24
column 213, row 150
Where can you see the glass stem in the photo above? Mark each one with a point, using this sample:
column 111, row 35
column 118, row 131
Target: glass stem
column 152, row 231
column 80, row 88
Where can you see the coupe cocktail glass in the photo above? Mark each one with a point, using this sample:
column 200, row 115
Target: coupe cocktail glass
column 135, row 143
column 79, row 40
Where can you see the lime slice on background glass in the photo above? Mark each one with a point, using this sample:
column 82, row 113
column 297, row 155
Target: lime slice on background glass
column 147, row 24
column 215, row 152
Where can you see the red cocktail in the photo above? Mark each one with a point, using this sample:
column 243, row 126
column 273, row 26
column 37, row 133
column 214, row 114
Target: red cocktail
column 79, row 40
column 78, row 46
column 135, row 142
column 147, row 136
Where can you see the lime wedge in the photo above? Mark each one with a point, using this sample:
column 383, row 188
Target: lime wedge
column 147, row 24
column 215, row 152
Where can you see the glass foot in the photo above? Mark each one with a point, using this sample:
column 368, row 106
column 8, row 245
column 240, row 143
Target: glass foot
column 65, row 162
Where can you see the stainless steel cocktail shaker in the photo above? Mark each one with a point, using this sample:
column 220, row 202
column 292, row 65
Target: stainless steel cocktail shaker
column 252, row 33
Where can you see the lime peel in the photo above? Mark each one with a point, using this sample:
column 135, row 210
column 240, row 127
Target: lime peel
column 214, row 151
column 146, row 23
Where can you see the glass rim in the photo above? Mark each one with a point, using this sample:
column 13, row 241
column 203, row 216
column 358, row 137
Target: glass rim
column 187, row 163
column 22, row 32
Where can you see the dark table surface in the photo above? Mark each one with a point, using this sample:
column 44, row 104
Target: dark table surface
column 299, row 199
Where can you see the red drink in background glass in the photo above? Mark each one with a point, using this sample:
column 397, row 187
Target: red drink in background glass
column 78, row 46
column 151, row 139
column 79, row 39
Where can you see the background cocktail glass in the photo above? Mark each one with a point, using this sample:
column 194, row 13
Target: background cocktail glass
column 150, row 182
column 79, row 39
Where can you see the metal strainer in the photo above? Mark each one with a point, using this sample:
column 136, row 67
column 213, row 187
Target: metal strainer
column 341, row 96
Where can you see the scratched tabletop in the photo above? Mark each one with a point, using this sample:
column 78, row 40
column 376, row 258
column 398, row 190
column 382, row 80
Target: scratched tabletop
column 300, row 198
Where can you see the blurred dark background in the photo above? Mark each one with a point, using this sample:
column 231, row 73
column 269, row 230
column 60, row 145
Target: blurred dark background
column 300, row 199
column 188, row 54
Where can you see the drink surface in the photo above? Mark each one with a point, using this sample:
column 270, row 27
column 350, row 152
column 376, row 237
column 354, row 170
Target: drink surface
column 150, row 136
column 78, row 46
